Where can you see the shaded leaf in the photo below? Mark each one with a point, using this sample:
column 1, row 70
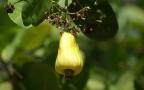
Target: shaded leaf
column 33, row 11
column 139, row 81
column 81, row 80
column 138, row 85
column 39, row 76
column 100, row 22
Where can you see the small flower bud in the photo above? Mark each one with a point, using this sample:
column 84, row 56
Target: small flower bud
column 69, row 60
column 9, row 8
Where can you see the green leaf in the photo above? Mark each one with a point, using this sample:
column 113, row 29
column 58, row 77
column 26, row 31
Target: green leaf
column 100, row 22
column 33, row 37
column 33, row 11
column 27, row 40
column 7, row 27
column 39, row 76
column 16, row 15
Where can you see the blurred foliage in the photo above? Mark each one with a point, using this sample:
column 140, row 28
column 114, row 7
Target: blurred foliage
column 28, row 53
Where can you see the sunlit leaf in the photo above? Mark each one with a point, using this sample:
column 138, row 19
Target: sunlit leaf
column 27, row 40
column 16, row 15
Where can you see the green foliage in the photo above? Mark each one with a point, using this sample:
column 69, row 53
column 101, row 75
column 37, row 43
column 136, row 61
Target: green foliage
column 99, row 24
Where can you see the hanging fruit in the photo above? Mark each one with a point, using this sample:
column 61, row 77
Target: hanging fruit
column 69, row 61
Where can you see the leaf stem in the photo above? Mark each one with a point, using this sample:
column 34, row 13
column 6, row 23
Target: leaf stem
column 66, row 15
